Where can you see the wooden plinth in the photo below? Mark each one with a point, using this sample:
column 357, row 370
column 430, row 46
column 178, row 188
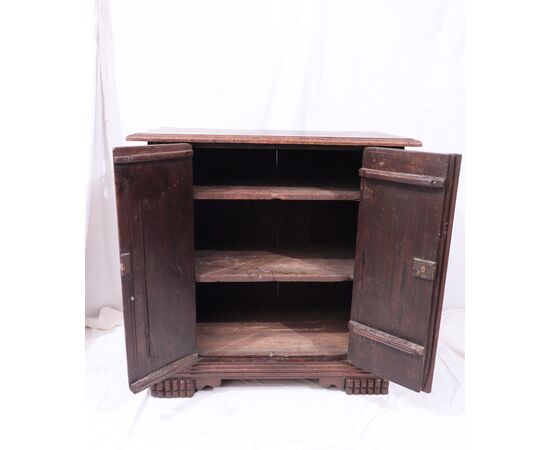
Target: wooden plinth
column 211, row 372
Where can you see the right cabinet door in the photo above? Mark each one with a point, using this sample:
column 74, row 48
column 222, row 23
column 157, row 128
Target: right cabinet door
column 403, row 237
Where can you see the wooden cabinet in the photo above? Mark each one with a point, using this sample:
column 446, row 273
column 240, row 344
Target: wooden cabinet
column 282, row 255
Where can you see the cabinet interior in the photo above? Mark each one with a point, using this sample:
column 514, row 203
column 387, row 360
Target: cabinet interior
column 275, row 232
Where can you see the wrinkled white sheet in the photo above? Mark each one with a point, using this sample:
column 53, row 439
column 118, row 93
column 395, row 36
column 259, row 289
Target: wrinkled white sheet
column 275, row 415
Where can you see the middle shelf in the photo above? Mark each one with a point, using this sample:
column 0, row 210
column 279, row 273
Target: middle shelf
column 319, row 263
column 275, row 192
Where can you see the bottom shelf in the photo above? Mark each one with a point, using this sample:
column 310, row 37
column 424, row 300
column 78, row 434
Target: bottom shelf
column 315, row 338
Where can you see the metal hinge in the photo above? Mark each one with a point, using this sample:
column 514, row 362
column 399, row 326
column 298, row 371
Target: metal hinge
column 423, row 268
column 125, row 264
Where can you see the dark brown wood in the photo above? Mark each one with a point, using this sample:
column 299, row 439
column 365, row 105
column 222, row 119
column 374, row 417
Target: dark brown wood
column 210, row 372
column 163, row 373
column 385, row 338
column 327, row 338
column 276, row 193
column 241, row 224
column 129, row 155
column 368, row 386
column 273, row 301
column 398, row 223
column 274, row 137
column 314, row 263
column 406, row 178
column 174, row 388
column 279, row 245
column 155, row 211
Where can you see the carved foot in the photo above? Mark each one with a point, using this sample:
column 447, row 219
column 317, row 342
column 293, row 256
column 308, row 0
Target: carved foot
column 337, row 382
column 174, row 388
column 201, row 383
column 366, row 386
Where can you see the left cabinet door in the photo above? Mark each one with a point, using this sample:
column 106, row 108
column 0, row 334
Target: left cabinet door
column 154, row 188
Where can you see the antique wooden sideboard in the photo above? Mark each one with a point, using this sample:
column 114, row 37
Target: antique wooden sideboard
column 282, row 255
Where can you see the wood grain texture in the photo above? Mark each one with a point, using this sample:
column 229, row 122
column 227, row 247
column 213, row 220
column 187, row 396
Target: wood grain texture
column 129, row 155
column 327, row 338
column 271, row 192
column 163, row 373
column 398, row 223
column 239, row 224
column 155, row 219
column 275, row 276
column 273, row 302
column 326, row 263
column 274, row 137
column 211, row 371
column 385, row 338
column 406, row 178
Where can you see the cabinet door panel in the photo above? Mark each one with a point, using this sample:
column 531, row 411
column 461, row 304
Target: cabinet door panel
column 155, row 218
column 404, row 231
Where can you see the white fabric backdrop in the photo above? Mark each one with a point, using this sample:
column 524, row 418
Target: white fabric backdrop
column 384, row 65
column 381, row 65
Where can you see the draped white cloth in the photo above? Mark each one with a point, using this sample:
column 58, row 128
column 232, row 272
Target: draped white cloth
column 269, row 415
column 393, row 66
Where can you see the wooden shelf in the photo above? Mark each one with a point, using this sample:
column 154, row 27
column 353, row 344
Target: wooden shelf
column 276, row 193
column 327, row 338
column 315, row 263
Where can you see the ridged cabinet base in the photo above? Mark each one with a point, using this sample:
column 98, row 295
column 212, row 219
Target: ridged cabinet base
column 210, row 372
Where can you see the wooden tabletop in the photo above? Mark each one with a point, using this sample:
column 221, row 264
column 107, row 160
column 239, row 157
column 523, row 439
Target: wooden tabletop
column 274, row 137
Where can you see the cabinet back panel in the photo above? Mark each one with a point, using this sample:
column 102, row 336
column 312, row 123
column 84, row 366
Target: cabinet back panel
column 227, row 302
column 219, row 166
column 314, row 167
column 276, row 166
column 244, row 223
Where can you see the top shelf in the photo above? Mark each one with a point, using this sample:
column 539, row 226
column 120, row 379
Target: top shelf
column 348, row 193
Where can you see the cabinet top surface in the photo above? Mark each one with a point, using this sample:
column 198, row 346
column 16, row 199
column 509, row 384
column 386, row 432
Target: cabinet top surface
column 194, row 135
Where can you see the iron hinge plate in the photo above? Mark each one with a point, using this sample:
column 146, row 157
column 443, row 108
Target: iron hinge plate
column 425, row 269
column 125, row 264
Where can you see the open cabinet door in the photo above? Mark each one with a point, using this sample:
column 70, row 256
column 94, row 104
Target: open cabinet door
column 154, row 186
column 404, row 231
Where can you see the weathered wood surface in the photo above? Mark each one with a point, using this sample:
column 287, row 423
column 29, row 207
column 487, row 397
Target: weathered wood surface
column 374, row 139
column 276, row 193
column 164, row 372
column 154, row 187
column 315, row 263
column 405, row 216
column 211, row 371
column 385, row 338
column 286, row 338
column 130, row 155
column 405, row 178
